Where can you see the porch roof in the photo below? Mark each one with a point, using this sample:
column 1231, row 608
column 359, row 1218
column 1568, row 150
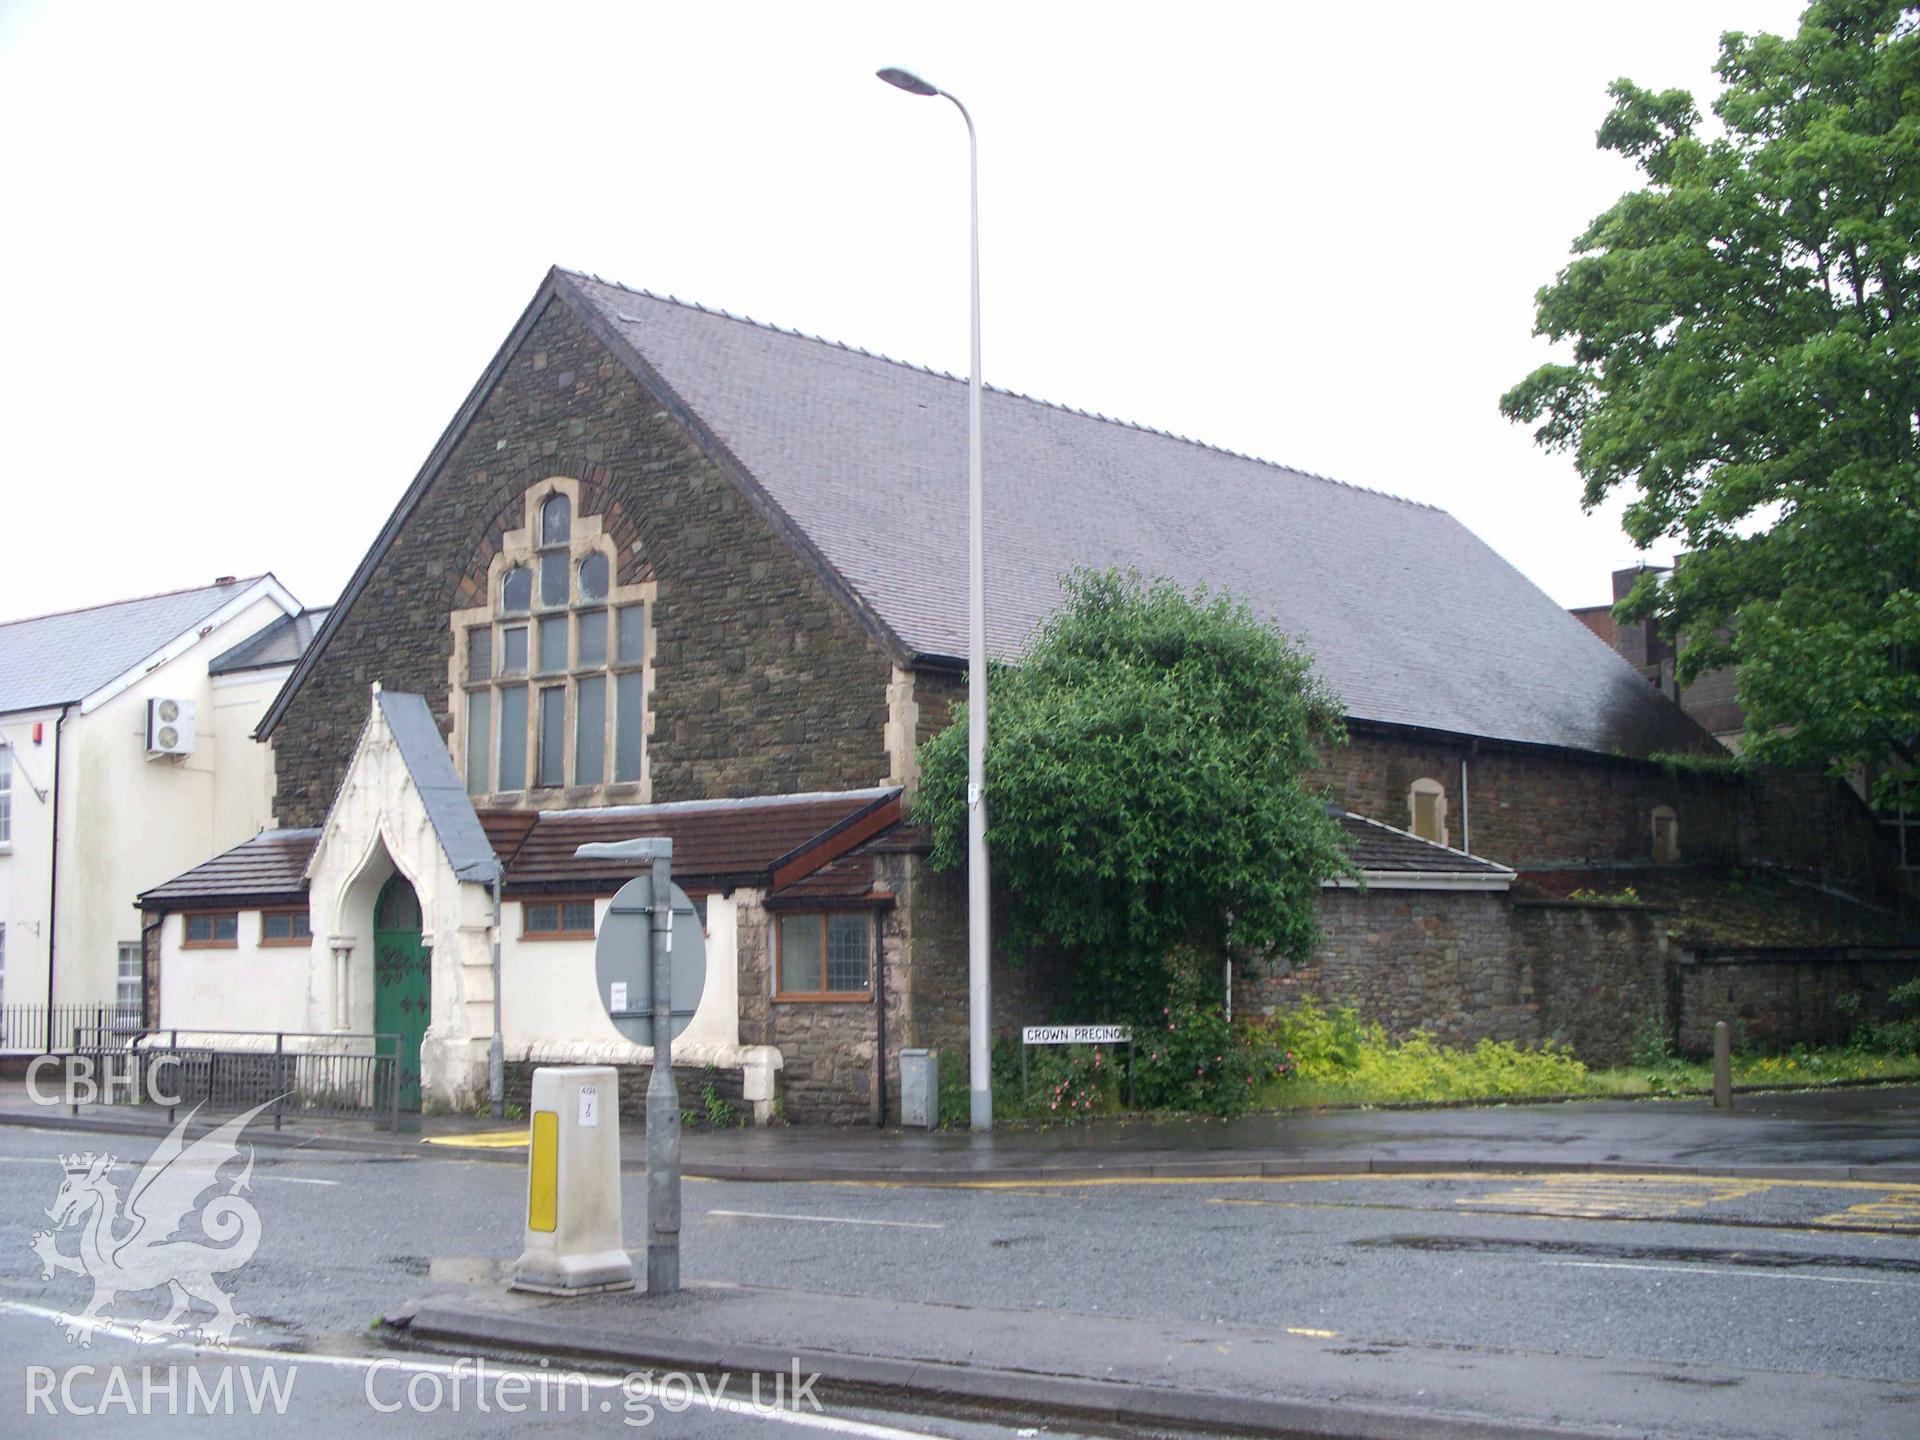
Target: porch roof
column 763, row 841
column 269, row 868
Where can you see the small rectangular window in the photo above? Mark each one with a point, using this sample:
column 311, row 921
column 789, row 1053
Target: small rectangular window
column 553, row 644
column 480, row 653
column 593, row 639
column 131, row 978
column 557, row 919
column 6, row 794
column 285, row 927
column 553, row 736
column 590, row 731
column 213, row 929
column 629, row 706
column 826, row 956
column 513, row 650
column 513, row 737
column 631, row 642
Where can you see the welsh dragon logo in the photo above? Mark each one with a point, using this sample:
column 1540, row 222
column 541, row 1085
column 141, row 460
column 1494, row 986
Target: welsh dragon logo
column 141, row 1247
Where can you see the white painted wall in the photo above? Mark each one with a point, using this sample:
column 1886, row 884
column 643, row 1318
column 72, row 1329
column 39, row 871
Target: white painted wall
column 128, row 823
column 27, row 857
column 552, row 1010
column 250, row 987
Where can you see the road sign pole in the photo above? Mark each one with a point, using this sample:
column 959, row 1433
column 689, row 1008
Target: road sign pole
column 663, row 1100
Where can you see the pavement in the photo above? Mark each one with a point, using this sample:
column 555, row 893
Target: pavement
column 1144, row 1373
column 1069, row 1288
column 1833, row 1133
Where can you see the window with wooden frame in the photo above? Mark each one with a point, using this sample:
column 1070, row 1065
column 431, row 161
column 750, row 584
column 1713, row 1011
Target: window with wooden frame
column 561, row 918
column 824, row 956
column 553, row 671
column 285, row 927
column 212, row 930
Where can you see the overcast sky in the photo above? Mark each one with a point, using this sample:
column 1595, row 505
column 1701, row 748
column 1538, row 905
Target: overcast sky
column 254, row 256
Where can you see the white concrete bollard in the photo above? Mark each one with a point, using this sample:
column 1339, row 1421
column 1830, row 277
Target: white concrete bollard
column 573, row 1242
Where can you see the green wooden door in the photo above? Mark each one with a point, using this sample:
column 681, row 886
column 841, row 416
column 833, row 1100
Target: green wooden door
column 402, row 981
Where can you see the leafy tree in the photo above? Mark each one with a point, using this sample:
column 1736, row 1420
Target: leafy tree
column 1745, row 338
column 1146, row 790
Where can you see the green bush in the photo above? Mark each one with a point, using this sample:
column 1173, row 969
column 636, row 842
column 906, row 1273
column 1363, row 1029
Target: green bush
column 1201, row 1061
column 1340, row 1058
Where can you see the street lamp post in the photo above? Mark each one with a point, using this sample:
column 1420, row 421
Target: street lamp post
column 979, row 980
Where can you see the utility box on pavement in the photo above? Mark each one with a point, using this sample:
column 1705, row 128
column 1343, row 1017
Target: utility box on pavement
column 920, row 1088
column 573, row 1242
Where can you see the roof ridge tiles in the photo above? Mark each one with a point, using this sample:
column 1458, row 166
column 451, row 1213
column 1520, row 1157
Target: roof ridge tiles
column 1060, row 405
column 236, row 583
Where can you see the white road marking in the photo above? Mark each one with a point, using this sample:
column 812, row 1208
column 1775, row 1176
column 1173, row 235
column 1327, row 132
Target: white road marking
column 1741, row 1274
column 293, row 1359
column 831, row 1219
column 55, row 1160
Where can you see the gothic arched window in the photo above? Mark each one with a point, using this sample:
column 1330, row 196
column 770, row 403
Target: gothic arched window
column 554, row 669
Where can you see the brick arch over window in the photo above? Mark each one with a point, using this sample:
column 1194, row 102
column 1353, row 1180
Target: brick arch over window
column 595, row 498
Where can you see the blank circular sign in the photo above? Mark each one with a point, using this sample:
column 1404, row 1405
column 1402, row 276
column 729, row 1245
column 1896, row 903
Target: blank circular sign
column 623, row 961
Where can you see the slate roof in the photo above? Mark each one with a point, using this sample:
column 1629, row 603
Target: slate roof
column 270, row 867
column 281, row 643
column 1411, row 617
column 1380, row 849
column 715, row 842
column 60, row 659
column 423, row 750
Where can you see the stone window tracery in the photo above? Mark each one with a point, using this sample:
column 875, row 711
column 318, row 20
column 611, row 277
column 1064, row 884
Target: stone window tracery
column 552, row 675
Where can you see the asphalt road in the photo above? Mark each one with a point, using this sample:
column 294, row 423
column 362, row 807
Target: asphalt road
column 1754, row 1275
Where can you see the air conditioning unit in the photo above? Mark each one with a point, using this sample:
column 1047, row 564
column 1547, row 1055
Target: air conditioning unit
column 169, row 727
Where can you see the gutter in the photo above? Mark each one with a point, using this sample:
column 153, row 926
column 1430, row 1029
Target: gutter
column 1423, row 880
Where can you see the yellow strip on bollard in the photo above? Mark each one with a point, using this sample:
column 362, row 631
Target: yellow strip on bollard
column 543, row 1172
column 484, row 1140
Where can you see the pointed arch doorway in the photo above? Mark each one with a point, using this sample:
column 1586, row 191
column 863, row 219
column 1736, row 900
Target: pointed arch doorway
column 402, row 981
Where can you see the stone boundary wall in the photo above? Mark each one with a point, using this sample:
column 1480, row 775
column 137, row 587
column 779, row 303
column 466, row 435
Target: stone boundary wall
column 1780, row 997
column 1466, row 966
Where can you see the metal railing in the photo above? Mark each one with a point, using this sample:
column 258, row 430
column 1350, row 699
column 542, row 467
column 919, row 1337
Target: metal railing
column 307, row 1074
column 36, row 1029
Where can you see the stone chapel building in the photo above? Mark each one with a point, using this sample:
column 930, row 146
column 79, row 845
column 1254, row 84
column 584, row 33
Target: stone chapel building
column 673, row 571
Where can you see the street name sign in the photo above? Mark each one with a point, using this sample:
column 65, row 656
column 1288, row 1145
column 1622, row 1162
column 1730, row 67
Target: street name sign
column 1077, row 1035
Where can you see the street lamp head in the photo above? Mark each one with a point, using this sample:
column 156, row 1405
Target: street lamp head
column 906, row 80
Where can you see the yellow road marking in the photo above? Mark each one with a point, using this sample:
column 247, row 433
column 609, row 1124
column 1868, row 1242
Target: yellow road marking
column 483, row 1140
column 1601, row 1195
column 1314, row 1334
column 1386, row 1177
column 1894, row 1212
